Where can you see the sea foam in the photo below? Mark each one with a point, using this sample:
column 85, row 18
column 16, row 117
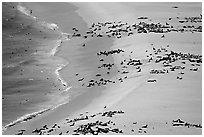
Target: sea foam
column 25, row 11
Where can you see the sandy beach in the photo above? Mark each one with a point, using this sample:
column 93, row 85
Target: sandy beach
column 107, row 68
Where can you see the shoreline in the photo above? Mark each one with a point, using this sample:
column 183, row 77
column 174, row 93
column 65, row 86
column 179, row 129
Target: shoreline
column 74, row 94
column 64, row 83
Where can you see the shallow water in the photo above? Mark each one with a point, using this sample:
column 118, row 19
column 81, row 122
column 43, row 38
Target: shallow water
column 30, row 81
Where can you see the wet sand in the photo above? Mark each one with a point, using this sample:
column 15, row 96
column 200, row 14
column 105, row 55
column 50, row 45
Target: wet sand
column 139, row 101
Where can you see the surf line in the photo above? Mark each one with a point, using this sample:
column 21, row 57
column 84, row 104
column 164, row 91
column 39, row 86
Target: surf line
column 63, row 37
column 30, row 116
column 24, row 118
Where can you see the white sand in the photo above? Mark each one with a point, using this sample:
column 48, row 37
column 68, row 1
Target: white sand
column 146, row 103
column 159, row 102
column 152, row 103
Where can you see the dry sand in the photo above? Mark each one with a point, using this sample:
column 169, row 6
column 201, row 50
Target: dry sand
column 155, row 104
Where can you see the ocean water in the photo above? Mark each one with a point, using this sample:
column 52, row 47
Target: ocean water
column 31, row 83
